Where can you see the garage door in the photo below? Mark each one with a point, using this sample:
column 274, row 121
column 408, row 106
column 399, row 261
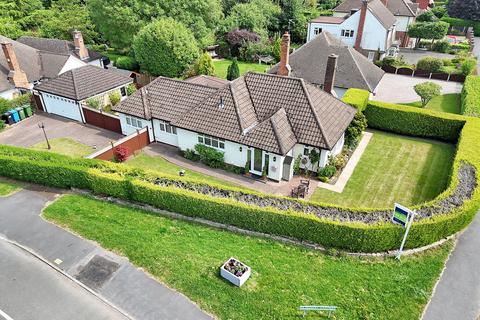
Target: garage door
column 62, row 107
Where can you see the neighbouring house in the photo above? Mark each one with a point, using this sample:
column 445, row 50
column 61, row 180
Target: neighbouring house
column 311, row 62
column 67, row 94
column 265, row 120
column 405, row 12
column 425, row 4
column 75, row 48
column 22, row 66
column 208, row 81
column 370, row 28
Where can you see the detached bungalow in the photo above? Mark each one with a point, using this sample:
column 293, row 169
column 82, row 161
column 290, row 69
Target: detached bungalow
column 66, row 94
column 265, row 120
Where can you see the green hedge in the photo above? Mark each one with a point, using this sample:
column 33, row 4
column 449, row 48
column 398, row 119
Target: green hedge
column 128, row 183
column 357, row 98
column 456, row 22
column 471, row 96
column 414, row 121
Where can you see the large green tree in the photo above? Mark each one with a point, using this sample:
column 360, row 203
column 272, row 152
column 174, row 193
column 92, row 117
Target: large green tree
column 428, row 30
column 120, row 20
column 464, row 9
column 165, row 47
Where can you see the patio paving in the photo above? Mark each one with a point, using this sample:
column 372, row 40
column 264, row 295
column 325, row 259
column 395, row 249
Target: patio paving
column 396, row 88
column 27, row 133
column 172, row 155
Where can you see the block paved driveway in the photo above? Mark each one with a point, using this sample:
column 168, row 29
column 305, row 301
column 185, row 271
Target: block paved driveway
column 396, row 88
column 26, row 133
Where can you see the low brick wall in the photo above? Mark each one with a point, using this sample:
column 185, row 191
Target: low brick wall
column 102, row 120
column 134, row 142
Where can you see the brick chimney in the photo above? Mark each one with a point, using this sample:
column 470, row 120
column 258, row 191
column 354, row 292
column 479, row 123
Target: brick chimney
column 361, row 24
column 284, row 68
column 329, row 81
column 16, row 75
column 385, row 2
column 82, row 51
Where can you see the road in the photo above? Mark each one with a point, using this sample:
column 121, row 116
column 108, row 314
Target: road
column 30, row 289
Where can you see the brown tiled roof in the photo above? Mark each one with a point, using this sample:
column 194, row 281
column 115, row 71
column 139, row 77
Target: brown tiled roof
column 396, row 7
column 329, row 19
column 57, row 46
column 84, row 82
column 354, row 70
column 208, row 81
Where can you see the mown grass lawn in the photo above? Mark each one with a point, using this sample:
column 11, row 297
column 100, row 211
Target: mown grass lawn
column 187, row 256
column 395, row 168
column 144, row 161
column 6, row 188
column 221, row 67
column 450, row 103
column 65, row 146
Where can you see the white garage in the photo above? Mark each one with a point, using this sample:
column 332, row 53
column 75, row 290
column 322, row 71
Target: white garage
column 62, row 106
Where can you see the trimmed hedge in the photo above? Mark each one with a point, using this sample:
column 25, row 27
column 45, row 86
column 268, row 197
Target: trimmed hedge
column 457, row 22
column 471, row 96
column 414, row 121
column 134, row 184
column 357, row 98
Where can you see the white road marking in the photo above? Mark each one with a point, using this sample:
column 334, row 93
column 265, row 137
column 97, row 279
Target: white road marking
column 6, row 316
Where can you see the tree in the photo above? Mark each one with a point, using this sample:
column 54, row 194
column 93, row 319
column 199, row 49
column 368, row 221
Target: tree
column 165, row 47
column 428, row 30
column 205, row 65
column 464, row 9
column 233, row 72
column 427, row 16
column 10, row 28
column 427, row 91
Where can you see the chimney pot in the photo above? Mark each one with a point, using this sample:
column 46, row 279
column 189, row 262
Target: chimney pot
column 80, row 47
column 284, row 68
column 330, row 71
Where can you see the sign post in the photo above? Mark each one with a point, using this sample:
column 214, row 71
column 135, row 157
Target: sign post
column 404, row 217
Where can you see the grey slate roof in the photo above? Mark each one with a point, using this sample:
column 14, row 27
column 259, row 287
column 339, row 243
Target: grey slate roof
column 208, row 81
column 35, row 63
column 57, row 46
column 396, row 7
column 353, row 69
column 84, row 82
column 384, row 16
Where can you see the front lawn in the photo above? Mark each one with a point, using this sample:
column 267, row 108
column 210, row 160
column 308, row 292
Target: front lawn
column 187, row 256
column 65, row 146
column 450, row 103
column 7, row 188
column 222, row 65
column 395, row 168
column 144, row 161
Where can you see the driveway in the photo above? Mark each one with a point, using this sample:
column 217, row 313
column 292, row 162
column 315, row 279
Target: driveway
column 111, row 276
column 476, row 51
column 396, row 88
column 412, row 56
column 27, row 133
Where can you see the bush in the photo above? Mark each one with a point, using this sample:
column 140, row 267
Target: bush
column 468, row 66
column 471, row 96
column 131, row 89
column 339, row 161
column 20, row 101
column 191, row 155
column 233, row 71
column 120, row 154
column 2, row 125
column 448, row 63
column 427, row 90
column 439, row 11
column 327, row 172
column 127, row 63
column 430, row 64
column 357, row 98
column 210, row 156
column 114, row 98
column 355, row 129
column 441, row 46
column 94, row 103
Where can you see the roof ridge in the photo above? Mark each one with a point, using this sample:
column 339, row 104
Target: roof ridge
column 317, row 119
column 75, row 88
column 410, row 9
column 181, row 81
column 235, row 106
column 359, row 69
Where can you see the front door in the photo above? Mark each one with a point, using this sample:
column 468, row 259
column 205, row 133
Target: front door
column 257, row 163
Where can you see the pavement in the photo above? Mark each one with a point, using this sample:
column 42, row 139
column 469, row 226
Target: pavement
column 396, row 88
column 476, row 51
column 111, row 277
column 30, row 289
column 457, row 294
column 27, row 133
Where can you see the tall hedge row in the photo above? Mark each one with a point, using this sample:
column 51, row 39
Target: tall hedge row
column 357, row 98
column 471, row 96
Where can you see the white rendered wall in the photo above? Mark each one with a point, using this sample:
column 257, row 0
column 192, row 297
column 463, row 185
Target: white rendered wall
column 163, row 136
column 8, row 94
column 72, row 63
column 374, row 34
column 129, row 129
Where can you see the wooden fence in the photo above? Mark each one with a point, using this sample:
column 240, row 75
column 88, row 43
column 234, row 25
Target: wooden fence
column 425, row 74
column 102, row 119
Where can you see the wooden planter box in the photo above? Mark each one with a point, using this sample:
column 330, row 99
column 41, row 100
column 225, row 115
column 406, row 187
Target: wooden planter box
column 238, row 281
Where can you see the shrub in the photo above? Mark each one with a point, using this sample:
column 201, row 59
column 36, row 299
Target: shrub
column 20, row 101
column 327, row 172
column 296, row 164
column 94, row 103
column 427, row 91
column 471, row 96
column 430, row 64
column 114, row 98
column 439, row 11
column 357, row 98
column 210, row 156
column 191, row 155
column 131, row 89
column 2, row 125
column 120, row 153
column 355, row 129
column 127, row 63
column 247, row 167
column 339, row 161
column 233, row 72
column 468, row 66
column 441, row 46
column 448, row 63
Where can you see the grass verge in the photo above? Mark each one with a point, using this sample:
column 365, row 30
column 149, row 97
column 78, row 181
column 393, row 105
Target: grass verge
column 186, row 257
column 221, row 67
column 7, row 188
column 395, row 168
column 65, row 146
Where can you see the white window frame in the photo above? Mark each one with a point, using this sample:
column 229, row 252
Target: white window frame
column 348, row 33
column 317, row 30
column 134, row 122
column 167, row 127
column 210, row 141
